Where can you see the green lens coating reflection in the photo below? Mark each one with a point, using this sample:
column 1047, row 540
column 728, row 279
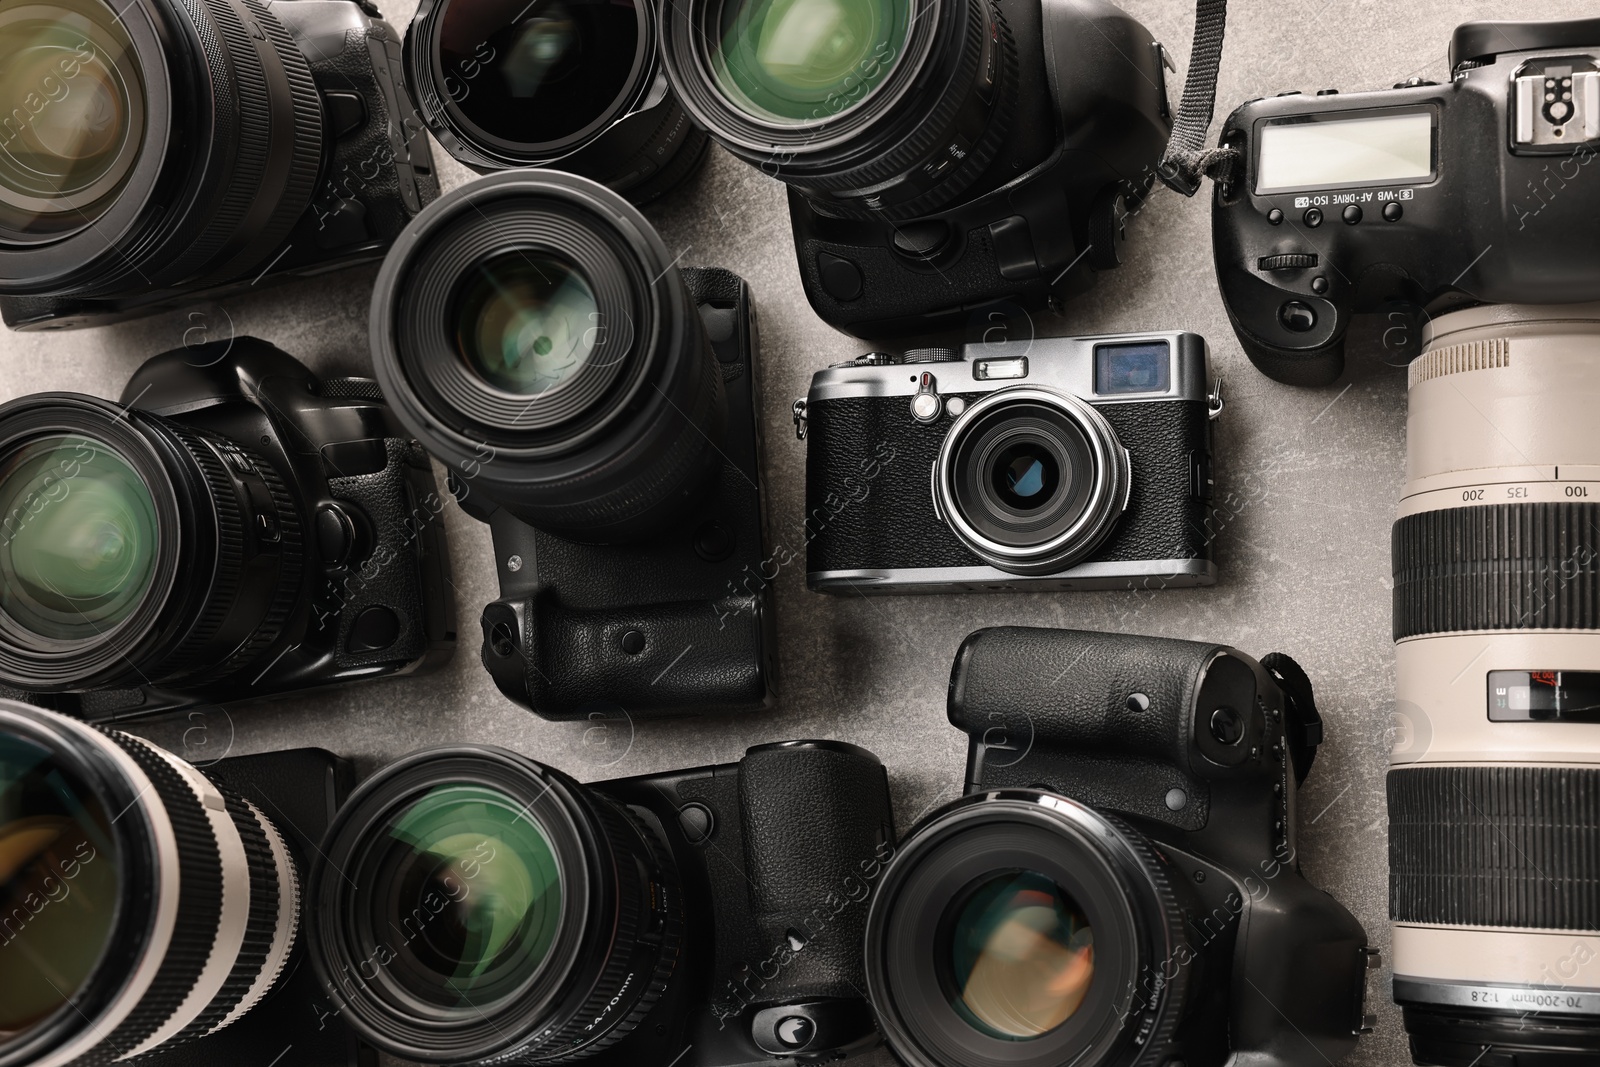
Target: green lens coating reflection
column 799, row 61
column 474, row 889
column 526, row 322
column 74, row 119
column 59, row 884
column 1021, row 955
column 78, row 538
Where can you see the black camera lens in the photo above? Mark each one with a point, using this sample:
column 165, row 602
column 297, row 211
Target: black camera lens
column 880, row 109
column 1023, row 929
column 154, row 145
column 76, row 126
column 526, row 322
column 1021, row 954
column 508, row 83
column 473, row 906
column 535, row 337
column 134, row 551
column 1031, row 480
column 141, row 906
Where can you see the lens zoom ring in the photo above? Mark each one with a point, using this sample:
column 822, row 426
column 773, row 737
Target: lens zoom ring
column 194, row 935
column 1502, row 567
column 291, row 564
column 1495, row 846
column 240, row 86
column 260, row 925
column 1173, row 990
column 224, row 581
column 620, row 826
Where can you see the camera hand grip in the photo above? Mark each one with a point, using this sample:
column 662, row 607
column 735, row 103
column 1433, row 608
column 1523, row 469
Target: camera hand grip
column 648, row 659
column 817, row 831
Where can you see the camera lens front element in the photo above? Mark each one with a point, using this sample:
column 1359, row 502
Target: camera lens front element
column 477, row 887
column 526, row 322
column 140, row 905
column 473, row 906
column 78, row 538
column 1021, row 929
column 1031, row 480
column 539, row 74
column 75, row 120
column 1021, row 956
column 797, row 61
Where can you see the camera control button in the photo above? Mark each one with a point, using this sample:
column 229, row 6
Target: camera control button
column 1275, row 216
column 922, row 239
column 696, row 822
column 374, row 630
column 1352, row 214
column 713, row 542
column 1392, row 211
column 795, row 1031
column 841, row 279
column 1296, row 316
column 1313, row 217
column 1176, row 799
column 925, row 405
column 1319, row 285
column 633, row 642
column 1227, row 725
column 336, row 535
column 1327, row 92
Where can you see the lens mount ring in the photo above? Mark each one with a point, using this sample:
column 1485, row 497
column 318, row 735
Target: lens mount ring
column 1065, row 531
column 1140, row 981
column 467, row 140
column 587, row 969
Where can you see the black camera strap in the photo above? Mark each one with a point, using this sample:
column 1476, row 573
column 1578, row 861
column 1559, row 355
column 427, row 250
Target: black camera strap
column 1187, row 158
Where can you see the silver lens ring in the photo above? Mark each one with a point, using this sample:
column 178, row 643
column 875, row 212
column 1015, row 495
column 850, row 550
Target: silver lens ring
column 1077, row 469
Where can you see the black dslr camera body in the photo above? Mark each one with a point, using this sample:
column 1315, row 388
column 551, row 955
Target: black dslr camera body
column 321, row 165
column 740, row 892
column 974, row 152
column 655, row 626
column 1057, row 464
column 1149, row 785
column 296, row 538
column 1413, row 200
column 1076, row 121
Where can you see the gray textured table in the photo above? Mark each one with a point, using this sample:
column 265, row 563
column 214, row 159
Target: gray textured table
column 1307, row 481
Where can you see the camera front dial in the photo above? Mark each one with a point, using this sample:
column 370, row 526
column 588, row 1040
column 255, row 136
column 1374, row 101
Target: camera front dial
column 140, row 907
column 1021, row 929
column 1031, row 480
column 473, row 906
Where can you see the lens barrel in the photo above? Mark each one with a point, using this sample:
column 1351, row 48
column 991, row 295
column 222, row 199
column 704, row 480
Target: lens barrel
column 135, row 551
column 1494, row 784
column 473, row 906
column 531, row 331
column 142, row 905
column 166, row 143
column 888, row 108
column 1023, row 929
column 1031, row 480
column 574, row 83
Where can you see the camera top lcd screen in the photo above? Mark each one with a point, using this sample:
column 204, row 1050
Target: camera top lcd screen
column 1328, row 153
column 1133, row 367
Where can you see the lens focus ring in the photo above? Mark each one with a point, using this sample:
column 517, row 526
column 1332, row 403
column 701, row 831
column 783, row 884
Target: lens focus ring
column 1497, row 567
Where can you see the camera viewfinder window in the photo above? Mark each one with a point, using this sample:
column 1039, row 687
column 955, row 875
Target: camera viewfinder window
column 1328, row 153
column 1138, row 367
